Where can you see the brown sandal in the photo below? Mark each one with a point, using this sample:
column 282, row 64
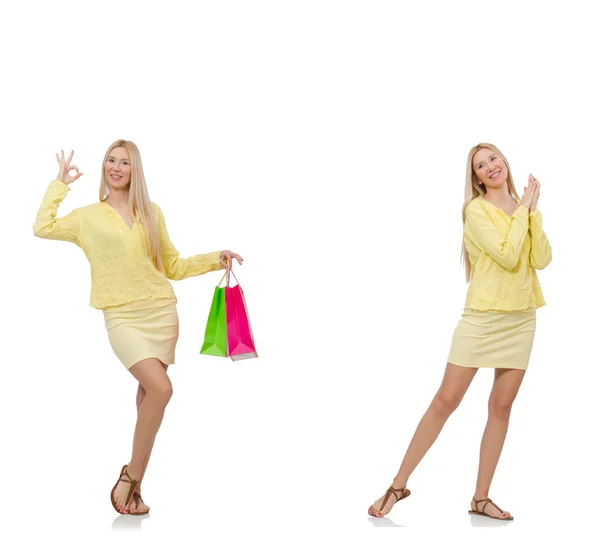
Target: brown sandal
column 404, row 493
column 137, row 498
column 482, row 512
column 132, row 486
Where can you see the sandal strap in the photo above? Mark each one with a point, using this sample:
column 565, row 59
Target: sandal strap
column 477, row 502
column 487, row 501
column 136, row 501
column 132, row 484
column 129, row 480
column 500, row 510
column 393, row 491
column 138, row 498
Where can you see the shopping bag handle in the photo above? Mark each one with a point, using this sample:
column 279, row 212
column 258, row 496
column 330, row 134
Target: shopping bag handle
column 230, row 270
column 226, row 273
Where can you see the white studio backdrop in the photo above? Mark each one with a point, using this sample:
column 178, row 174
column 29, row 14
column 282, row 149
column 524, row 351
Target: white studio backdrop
column 326, row 142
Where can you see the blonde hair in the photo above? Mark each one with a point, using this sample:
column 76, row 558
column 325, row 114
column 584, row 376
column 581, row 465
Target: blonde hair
column 140, row 204
column 474, row 190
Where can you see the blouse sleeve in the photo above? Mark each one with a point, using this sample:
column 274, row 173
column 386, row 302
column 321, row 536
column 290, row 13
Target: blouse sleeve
column 504, row 249
column 177, row 268
column 47, row 225
column 541, row 252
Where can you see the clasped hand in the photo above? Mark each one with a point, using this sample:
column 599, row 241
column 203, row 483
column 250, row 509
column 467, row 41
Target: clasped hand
column 531, row 194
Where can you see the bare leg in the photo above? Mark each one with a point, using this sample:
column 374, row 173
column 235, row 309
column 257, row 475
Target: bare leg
column 454, row 385
column 139, row 399
column 504, row 391
column 156, row 384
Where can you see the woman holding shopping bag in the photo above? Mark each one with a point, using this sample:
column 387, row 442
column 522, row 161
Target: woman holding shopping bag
column 125, row 239
column 503, row 246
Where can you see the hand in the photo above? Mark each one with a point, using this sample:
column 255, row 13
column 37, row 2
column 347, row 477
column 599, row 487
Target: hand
column 227, row 258
column 530, row 191
column 536, row 196
column 65, row 168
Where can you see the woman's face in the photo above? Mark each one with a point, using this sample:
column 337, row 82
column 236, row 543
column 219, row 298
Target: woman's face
column 117, row 168
column 489, row 169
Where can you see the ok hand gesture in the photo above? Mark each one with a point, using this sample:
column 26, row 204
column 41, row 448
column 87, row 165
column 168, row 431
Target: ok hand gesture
column 65, row 169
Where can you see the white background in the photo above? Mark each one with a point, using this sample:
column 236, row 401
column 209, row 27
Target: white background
column 326, row 142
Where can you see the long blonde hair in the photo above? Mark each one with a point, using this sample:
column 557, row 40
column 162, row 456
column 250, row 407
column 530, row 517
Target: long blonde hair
column 473, row 190
column 140, row 205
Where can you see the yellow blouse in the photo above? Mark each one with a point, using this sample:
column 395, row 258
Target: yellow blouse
column 504, row 252
column 121, row 269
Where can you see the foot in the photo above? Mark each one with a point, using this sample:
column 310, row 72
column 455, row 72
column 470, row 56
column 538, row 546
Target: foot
column 137, row 505
column 122, row 490
column 485, row 506
column 383, row 506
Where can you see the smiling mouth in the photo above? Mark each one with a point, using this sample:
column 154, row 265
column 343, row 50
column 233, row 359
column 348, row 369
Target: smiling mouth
column 116, row 176
column 494, row 175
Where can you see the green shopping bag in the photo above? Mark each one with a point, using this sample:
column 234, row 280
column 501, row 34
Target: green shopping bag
column 215, row 335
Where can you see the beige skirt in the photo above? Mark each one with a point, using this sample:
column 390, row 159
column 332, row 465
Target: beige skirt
column 485, row 339
column 143, row 333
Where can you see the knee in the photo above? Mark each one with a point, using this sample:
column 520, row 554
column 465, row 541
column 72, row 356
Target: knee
column 444, row 404
column 162, row 393
column 500, row 408
column 166, row 392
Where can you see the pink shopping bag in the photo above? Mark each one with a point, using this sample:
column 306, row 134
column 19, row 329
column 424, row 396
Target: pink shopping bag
column 240, row 342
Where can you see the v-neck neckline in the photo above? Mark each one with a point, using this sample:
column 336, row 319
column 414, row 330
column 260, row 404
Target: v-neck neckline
column 498, row 207
column 120, row 217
